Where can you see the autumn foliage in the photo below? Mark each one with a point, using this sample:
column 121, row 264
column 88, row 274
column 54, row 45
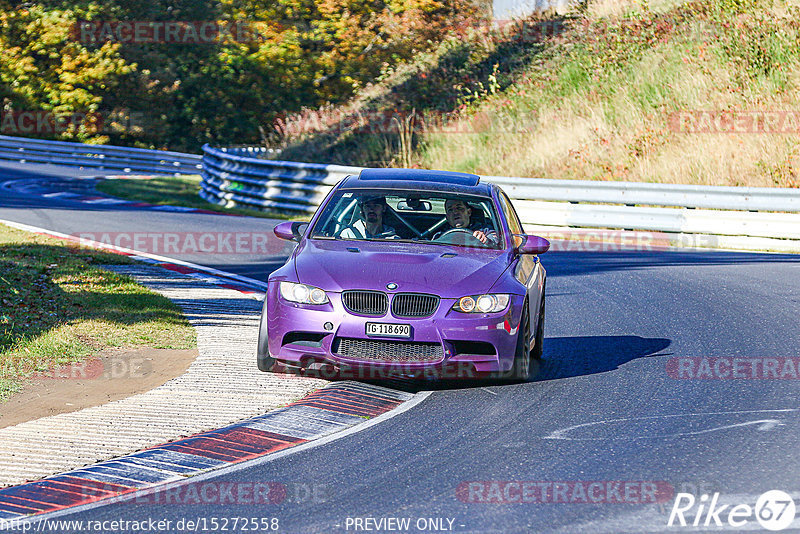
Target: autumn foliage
column 306, row 53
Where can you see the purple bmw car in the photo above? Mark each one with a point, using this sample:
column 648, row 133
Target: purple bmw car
column 406, row 271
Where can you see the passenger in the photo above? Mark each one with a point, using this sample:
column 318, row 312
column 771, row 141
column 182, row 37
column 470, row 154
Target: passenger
column 371, row 224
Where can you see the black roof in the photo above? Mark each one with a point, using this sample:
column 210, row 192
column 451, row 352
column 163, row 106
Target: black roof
column 419, row 179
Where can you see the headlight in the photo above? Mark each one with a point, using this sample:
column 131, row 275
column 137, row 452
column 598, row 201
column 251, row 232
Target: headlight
column 490, row 303
column 302, row 293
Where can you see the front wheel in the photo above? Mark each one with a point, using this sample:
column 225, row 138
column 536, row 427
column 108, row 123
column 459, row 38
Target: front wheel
column 536, row 354
column 521, row 368
column 265, row 362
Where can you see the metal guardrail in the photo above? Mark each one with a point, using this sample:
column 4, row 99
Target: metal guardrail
column 637, row 193
column 769, row 217
column 238, row 177
column 124, row 159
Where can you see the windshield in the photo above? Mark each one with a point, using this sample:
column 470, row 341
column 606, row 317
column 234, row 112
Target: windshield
column 420, row 216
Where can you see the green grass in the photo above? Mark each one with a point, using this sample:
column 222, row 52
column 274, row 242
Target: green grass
column 58, row 306
column 173, row 191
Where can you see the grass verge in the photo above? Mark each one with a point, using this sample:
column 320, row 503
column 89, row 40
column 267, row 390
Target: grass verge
column 173, row 191
column 58, row 306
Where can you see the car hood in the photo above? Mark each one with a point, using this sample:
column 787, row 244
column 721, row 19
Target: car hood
column 450, row 272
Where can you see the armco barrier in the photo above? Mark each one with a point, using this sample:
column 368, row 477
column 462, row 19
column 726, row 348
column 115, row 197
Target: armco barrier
column 124, row 159
column 734, row 217
column 238, row 177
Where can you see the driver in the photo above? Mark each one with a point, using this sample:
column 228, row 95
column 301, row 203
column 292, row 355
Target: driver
column 371, row 224
column 459, row 214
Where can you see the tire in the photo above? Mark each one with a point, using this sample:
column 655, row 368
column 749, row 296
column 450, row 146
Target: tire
column 521, row 368
column 536, row 353
column 266, row 363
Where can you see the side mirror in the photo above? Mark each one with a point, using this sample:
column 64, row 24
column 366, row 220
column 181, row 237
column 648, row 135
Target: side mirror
column 290, row 230
column 533, row 244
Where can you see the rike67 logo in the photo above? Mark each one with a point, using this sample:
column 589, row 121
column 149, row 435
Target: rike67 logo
column 774, row 510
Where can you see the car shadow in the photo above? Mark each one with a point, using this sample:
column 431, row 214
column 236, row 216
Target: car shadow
column 573, row 263
column 567, row 357
column 564, row 357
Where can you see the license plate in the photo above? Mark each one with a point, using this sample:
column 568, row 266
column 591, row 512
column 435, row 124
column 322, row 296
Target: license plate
column 388, row 330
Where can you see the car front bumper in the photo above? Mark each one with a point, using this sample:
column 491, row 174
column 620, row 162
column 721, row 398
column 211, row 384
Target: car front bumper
column 448, row 343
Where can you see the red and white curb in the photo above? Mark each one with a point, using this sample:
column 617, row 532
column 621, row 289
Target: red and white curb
column 331, row 410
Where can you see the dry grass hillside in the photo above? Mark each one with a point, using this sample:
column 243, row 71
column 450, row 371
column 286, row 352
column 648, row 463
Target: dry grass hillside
column 702, row 92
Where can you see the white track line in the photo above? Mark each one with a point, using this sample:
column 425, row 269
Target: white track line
column 163, row 259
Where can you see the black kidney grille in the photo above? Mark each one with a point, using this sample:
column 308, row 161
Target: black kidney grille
column 414, row 305
column 366, row 302
column 391, row 351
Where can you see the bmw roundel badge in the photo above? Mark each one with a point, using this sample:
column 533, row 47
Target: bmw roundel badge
column 391, row 285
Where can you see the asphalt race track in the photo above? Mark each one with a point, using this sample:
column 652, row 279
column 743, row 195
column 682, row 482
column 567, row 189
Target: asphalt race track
column 616, row 406
column 22, row 200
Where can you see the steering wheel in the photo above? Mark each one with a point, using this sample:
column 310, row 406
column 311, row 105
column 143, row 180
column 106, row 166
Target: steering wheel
column 466, row 231
column 433, row 228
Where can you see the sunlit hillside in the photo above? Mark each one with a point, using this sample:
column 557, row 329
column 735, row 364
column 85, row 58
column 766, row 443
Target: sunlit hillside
column 704, row 92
